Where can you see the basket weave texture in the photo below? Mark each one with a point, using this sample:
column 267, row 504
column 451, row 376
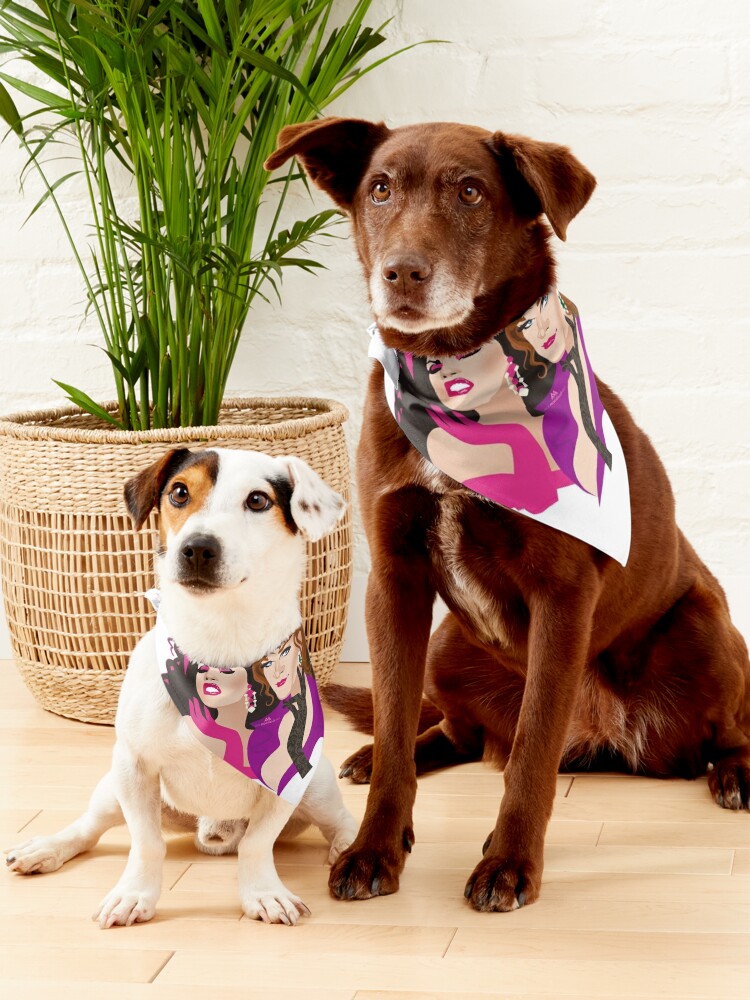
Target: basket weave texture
column 74, row 570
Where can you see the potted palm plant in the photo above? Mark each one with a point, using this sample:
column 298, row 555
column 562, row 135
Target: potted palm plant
column 184, row 99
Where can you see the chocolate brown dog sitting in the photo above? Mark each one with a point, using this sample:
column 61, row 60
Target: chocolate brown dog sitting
column 553, row 653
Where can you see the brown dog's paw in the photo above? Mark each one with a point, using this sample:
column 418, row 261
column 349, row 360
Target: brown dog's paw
column 501, row 884
column 358, row 767
column 361, row 873
column 729, row 782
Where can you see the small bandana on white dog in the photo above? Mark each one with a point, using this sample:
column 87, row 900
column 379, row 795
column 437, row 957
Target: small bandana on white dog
column 264, row 719
column 520, row 422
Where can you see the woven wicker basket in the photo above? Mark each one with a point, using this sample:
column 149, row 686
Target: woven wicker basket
column 73, row 570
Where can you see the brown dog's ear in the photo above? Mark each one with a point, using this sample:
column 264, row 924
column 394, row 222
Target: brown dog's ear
column 333, row 151
column 142, row 492
column 543, row 177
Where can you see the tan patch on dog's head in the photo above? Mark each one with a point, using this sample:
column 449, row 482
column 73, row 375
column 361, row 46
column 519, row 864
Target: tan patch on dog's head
column 149, row 488
column 186, row 491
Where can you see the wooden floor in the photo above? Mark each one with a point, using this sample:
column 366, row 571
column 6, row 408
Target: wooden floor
column 646, row 894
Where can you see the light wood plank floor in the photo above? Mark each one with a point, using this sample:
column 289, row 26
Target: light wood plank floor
column 646, row 894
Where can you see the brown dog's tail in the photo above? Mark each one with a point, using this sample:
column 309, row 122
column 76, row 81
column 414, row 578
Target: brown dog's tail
column 355, row 704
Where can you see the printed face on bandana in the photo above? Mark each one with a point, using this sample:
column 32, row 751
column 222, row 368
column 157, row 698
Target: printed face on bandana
column 220, row 686
column 546, row 329
column 280, row 669
column 468, row 381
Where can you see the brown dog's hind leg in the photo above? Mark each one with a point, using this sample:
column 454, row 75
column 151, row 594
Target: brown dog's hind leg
column 442, row 742
column 701, row 663
column 434, row 751
column 729, row 780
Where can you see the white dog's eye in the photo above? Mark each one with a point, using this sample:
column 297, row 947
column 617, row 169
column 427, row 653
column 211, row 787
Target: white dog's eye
column 179, row 495
column 257, row 500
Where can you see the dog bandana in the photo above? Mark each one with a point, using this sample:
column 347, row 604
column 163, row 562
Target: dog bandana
column 519, row 421
column 265, row 720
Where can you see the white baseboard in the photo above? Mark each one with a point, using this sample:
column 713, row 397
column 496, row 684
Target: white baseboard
column 355, row 639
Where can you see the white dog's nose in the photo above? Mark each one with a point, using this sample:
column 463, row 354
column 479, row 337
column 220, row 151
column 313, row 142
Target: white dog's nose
column 199, row 552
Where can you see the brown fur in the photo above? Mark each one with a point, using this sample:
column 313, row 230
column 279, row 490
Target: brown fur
column 552, row 654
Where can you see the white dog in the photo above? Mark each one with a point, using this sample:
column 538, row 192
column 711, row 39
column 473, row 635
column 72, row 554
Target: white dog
column 230, row 565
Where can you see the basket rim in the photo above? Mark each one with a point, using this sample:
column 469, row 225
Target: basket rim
column 30, row 424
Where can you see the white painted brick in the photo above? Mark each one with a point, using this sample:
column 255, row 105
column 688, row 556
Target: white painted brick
column 740, row 68
column 671, row 19
column 506, row 87
column 723, row 551
column 473, row 22
column 16, row 302
column 710, row 282
column 42, row 238
column 702, row 424
column 428, row 82
column 675, row 145
column 631, row 80
column 667, row 216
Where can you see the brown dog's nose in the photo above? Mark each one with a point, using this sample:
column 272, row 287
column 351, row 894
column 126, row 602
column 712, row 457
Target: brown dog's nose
column 408, row 269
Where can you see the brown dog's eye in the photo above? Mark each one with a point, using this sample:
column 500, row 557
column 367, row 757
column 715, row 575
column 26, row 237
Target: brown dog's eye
column 380, row 192
column 470, row 195
column 179, row 495
column 258, row 500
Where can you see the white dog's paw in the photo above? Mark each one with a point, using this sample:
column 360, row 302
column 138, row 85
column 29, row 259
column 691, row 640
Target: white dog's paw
column 37, row 856
column 344, row 838
column 124, row 906
column 274, row 906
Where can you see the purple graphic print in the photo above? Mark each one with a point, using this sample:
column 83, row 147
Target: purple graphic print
column 518, row 418
column 265, row 720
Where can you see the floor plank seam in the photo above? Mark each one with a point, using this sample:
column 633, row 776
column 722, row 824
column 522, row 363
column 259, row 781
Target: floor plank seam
column 163, row 966
column 180, row 876
column 450, row 942
column 36, row 816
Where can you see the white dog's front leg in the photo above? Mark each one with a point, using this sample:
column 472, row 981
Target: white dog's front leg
column 138, row 790
column 48, row 853
column 323, row 805
column 262, row 893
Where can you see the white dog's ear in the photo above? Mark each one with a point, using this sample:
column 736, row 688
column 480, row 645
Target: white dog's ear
column 314, row 506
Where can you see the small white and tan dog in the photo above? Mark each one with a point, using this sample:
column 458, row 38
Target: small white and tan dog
column 230, row 565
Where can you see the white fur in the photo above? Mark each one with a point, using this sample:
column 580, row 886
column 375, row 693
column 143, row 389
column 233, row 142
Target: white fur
column 157, row 761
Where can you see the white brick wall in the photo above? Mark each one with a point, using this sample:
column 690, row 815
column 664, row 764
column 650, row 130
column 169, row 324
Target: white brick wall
column 654, row 97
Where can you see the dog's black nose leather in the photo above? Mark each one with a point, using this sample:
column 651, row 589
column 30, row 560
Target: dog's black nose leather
column 407, row 269
column 200, row 551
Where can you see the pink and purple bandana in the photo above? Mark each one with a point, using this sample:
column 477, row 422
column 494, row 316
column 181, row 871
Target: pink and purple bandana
column 520, row 422
column 265, row 719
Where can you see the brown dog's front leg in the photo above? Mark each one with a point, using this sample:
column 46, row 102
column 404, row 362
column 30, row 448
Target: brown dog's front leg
column 510, row 873
column 399, row 615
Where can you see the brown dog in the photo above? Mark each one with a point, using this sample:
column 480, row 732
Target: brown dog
column 552, row 653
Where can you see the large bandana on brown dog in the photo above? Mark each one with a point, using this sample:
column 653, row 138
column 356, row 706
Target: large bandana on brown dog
column 519, row 421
